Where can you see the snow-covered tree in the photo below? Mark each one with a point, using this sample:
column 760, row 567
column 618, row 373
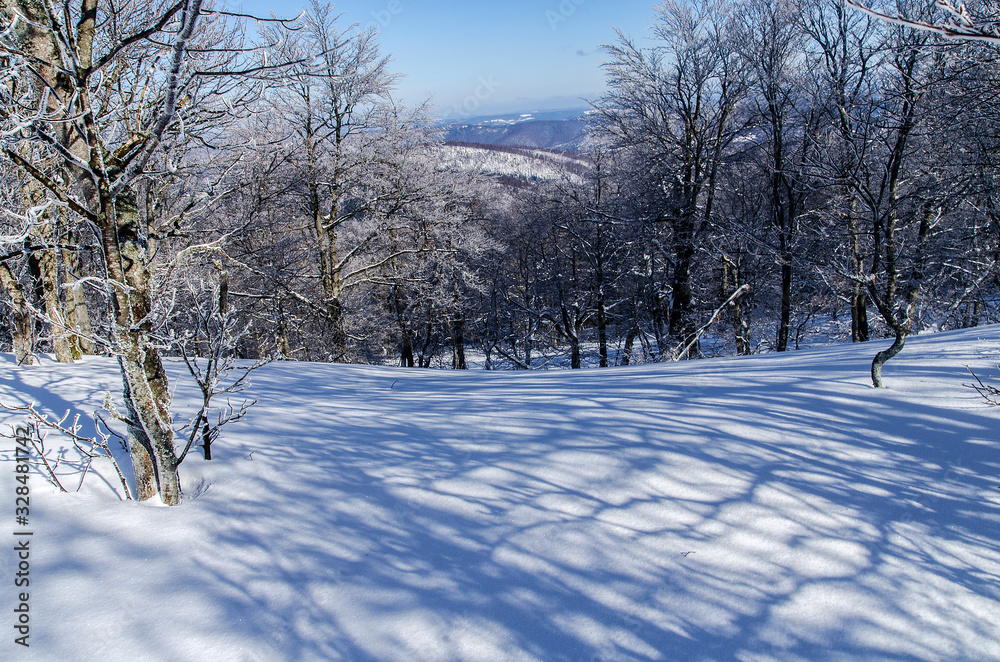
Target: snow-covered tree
column 95, row 97
column 953, row 21
column 676, row 108
column 332, row 104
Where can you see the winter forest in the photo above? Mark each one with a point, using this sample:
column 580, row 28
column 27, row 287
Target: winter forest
column 183, row 180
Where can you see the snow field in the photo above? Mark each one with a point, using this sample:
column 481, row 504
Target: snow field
column 765, row 508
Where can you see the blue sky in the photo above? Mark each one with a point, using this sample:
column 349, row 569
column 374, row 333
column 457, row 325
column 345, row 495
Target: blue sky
column 476, row 58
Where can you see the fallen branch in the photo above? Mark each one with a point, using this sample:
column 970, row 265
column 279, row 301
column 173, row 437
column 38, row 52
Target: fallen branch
column 740, row 291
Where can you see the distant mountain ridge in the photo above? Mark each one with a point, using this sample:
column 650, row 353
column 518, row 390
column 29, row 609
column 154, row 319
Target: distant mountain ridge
column 560, row 130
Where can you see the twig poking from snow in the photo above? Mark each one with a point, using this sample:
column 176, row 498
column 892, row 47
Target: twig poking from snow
column 80, row 442
column 991, row 394
column 30, row 434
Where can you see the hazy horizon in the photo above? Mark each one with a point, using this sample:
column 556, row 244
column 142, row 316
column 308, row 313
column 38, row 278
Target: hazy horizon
column 479, row 59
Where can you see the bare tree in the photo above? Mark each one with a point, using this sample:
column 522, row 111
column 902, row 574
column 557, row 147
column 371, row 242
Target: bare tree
column 93, row 98
column 957, row 21
column 844, row 53
column 332, row 103
column 771, row 38
column 676, row 107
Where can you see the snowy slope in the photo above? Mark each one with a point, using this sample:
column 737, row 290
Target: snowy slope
column 763, row 508
column 529, row 166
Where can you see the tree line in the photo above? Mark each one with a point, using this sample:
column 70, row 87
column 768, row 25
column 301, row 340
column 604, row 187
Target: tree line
column 181, row 179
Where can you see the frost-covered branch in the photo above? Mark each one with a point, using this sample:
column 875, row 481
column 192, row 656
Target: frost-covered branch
column 679, row 354
column 959, row 25
column 207, row 346
column 89, row 447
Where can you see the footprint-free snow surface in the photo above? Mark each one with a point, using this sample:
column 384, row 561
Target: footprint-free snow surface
column 762, row 508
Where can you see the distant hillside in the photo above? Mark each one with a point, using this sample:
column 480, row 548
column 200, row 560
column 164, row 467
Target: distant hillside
column 515, row 167
column 567, row 135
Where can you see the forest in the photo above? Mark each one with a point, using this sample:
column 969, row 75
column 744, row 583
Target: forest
column 184, row 180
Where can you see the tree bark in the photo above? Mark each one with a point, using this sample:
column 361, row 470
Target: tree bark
column 21, row 324
column 145, row 387
column 406, row 350
column 895, row 348
column 405, row 334
column 859, row 299
column 731, row 283
column 682, row 300
column 629, row 345
column 458, row 342
column 77, row 313
column 61, row 345
column 44, row 259
column 786, row 296
column 602, row 325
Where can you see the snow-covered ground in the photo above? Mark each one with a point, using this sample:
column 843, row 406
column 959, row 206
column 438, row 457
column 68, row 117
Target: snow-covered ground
column 526, row 165
column 771, row 507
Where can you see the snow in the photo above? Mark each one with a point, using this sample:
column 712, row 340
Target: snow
column 763, row 508
column 530, row 165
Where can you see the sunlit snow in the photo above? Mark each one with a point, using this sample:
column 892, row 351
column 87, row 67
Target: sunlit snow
column 763, row 508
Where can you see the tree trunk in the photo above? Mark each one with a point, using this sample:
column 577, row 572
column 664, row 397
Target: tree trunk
column 629, row 345
column 741, row 328
column 330, row 275
column 145, row 387
column 574, row 346
column 730, row 283
column 406, row 350
column 458, row 343
column 682, row 303
column 77, row 313
column 743, row 340
column 281, row 332
column 602, row 327
column 859, row 315
column 859, row 299
column 426, row 355
column 885, row 355
column 405, row 335
column 21, row 324
column 48, row 267
column 571, row 331
column 782, row 212
column 786, row 299
column 335, row 316
column 46, row 236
